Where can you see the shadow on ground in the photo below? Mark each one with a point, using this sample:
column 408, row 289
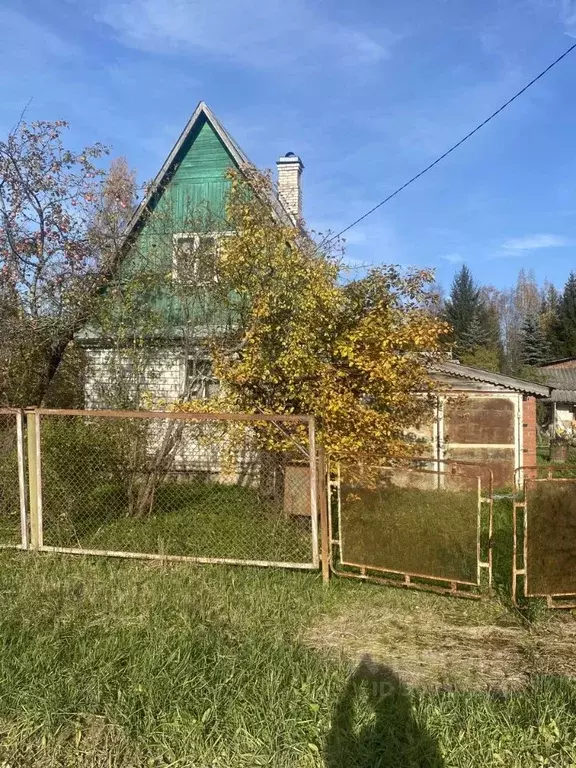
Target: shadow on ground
column 373, row 725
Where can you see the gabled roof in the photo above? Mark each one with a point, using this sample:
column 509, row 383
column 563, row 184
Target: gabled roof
column 489, row 377
column 202, row 111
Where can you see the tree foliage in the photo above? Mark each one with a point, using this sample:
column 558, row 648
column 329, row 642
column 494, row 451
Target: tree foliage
column 356, row 355
column 61, row 219
column 534, row 346
column 563, row 326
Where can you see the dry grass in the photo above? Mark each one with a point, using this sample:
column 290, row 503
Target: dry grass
column 432, row 642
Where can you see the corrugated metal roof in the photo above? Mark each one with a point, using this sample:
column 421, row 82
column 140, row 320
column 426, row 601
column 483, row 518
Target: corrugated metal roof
column 563, row 378
column 563, row 396
column 498, row 379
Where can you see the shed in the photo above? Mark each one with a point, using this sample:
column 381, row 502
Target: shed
column 560, row 376
column 486, row 417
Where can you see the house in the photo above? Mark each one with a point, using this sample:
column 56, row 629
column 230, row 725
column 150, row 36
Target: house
column 191, row 183
column 481, row 416
column 560, row 375
column 486, row 417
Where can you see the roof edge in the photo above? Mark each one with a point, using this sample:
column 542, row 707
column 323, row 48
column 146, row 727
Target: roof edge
column 498, row 379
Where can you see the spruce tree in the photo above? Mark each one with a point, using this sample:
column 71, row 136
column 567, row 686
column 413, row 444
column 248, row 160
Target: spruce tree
column 477, row 334
column 533, row 344
column 563, row 329
column 462, row 306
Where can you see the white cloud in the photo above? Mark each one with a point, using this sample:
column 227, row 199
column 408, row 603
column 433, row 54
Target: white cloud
column 532, row 242
column 452, row 258
column 264, row 34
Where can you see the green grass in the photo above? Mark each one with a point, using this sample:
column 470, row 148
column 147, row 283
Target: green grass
column 124, row 664
column 198, row 519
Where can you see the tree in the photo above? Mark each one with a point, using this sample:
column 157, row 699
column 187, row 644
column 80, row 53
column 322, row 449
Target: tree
column 462, row 306
column 534, row 346
column 473, row 314
column 563, row 329
column 61, row 219
column 522, row 300
column 354, row 355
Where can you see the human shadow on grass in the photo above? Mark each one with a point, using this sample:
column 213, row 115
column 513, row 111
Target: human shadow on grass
column 388, row 736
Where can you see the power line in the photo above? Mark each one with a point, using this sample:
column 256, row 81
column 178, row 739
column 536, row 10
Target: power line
column 455, row 146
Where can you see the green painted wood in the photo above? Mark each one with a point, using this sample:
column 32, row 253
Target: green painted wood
column 196, row 191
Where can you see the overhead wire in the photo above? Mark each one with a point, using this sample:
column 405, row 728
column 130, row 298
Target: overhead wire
column 453, row 147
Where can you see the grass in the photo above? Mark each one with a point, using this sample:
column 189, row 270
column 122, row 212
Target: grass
column 124, row 664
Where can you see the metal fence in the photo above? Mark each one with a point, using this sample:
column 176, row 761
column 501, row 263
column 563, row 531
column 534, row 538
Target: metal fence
column 414, row 527
column 13, row 524
column 209, row 488
column 544, row 532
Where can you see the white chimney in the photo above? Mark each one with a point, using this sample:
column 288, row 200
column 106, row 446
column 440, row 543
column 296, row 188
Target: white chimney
column 290, row 169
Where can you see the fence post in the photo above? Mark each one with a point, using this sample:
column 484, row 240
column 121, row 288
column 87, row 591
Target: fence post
column 34, row 478
column 326, row 545
column 22, row 480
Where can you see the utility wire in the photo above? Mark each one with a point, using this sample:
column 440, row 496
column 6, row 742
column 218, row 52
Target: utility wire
column 455, row 146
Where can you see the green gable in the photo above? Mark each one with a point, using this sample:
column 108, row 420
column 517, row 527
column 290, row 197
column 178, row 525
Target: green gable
column 197, row 179
column 188, row 195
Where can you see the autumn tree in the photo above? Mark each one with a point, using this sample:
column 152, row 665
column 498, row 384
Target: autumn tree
column 61, row 223
column 355, row 355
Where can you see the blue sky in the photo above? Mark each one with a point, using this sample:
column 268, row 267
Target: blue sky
column 366, row 92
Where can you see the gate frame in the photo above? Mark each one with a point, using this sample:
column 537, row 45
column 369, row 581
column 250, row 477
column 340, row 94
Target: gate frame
column 522, row 570
column 34, row 415
column 456, row 585
column 22, row 494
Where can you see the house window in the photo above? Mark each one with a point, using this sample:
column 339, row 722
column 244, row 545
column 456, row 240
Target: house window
column 200, row 382
column 195, row 257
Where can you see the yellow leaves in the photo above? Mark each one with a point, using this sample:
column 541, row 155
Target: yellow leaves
column 354, row 355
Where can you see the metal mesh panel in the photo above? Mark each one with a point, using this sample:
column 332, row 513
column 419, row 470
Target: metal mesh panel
column 411, row 522
column 550, row 537
column 10, row 532
column 203, row 488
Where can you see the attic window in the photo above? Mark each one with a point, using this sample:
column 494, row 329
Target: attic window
column 195, row 257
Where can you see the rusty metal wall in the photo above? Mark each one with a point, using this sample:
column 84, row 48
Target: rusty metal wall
column 483, row 430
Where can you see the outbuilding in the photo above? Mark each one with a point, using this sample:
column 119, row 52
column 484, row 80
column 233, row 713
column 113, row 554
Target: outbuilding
column 488, row 418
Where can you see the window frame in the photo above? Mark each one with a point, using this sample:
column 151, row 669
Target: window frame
column 195, row 238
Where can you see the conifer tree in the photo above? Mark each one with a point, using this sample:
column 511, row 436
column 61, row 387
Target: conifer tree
column 533, row 343
column 563, row 329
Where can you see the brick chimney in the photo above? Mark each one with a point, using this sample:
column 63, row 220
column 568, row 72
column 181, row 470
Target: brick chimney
column 290, row 169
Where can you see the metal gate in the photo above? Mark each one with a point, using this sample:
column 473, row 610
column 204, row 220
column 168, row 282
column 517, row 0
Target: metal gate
column 414, row 527
column 544, row 530
column 199, row 487
column 13, row 518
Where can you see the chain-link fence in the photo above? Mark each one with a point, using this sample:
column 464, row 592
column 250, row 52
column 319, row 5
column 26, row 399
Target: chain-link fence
column 412, row 526
column 13, row 529
column 233, row 488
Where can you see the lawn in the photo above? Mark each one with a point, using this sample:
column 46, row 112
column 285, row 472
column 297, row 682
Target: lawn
column 121, row 663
